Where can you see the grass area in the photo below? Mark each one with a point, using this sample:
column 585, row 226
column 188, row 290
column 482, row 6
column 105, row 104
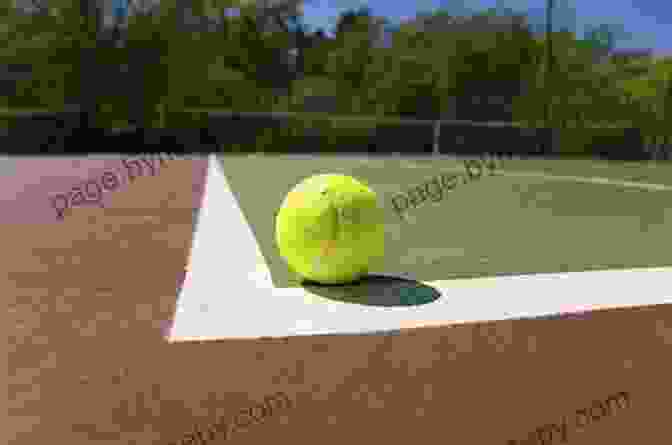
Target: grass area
column 498, row 225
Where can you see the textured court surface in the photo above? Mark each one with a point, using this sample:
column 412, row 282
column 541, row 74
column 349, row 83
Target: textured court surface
column 139, row 242
column 89, row 298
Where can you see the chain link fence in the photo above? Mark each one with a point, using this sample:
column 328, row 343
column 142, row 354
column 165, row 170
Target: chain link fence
column 198, row 131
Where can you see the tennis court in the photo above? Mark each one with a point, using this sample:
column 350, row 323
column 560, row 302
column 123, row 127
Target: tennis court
column 533, row 216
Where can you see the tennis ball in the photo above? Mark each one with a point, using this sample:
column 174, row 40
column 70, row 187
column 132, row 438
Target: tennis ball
column 330, row 229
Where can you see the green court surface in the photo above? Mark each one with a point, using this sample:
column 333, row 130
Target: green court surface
column 534, row 216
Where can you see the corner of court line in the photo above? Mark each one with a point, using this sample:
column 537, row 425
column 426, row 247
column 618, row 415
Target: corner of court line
column 223, row 245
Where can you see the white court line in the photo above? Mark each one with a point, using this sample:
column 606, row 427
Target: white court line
column 229, row 277
column 583, row 179
column 592, row 180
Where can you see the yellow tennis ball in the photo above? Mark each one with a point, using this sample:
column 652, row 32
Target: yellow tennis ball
column 330, row 229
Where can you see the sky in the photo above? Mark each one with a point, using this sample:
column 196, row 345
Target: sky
column 649, row 22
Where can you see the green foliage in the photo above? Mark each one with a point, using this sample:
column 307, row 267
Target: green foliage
column 160, row 63
column 427, row 72
column 667, row 99
column 52, row 44
column 352, row 20
column 604, row 36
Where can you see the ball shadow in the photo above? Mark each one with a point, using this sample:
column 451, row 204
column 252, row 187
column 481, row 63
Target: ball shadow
column 377, row 290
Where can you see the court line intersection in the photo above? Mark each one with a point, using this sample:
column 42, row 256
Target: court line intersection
column 243, row 302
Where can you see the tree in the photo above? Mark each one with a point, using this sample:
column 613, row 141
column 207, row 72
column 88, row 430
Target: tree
column 483, row 61
column 161, row 61
column 352, row 19
column 223, row 60
column 586, row 90
column 667, row 98
column 51, row 39
column 350, row 57
column 604, row 36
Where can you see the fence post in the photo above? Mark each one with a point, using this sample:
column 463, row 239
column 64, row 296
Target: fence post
column 437, row 132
